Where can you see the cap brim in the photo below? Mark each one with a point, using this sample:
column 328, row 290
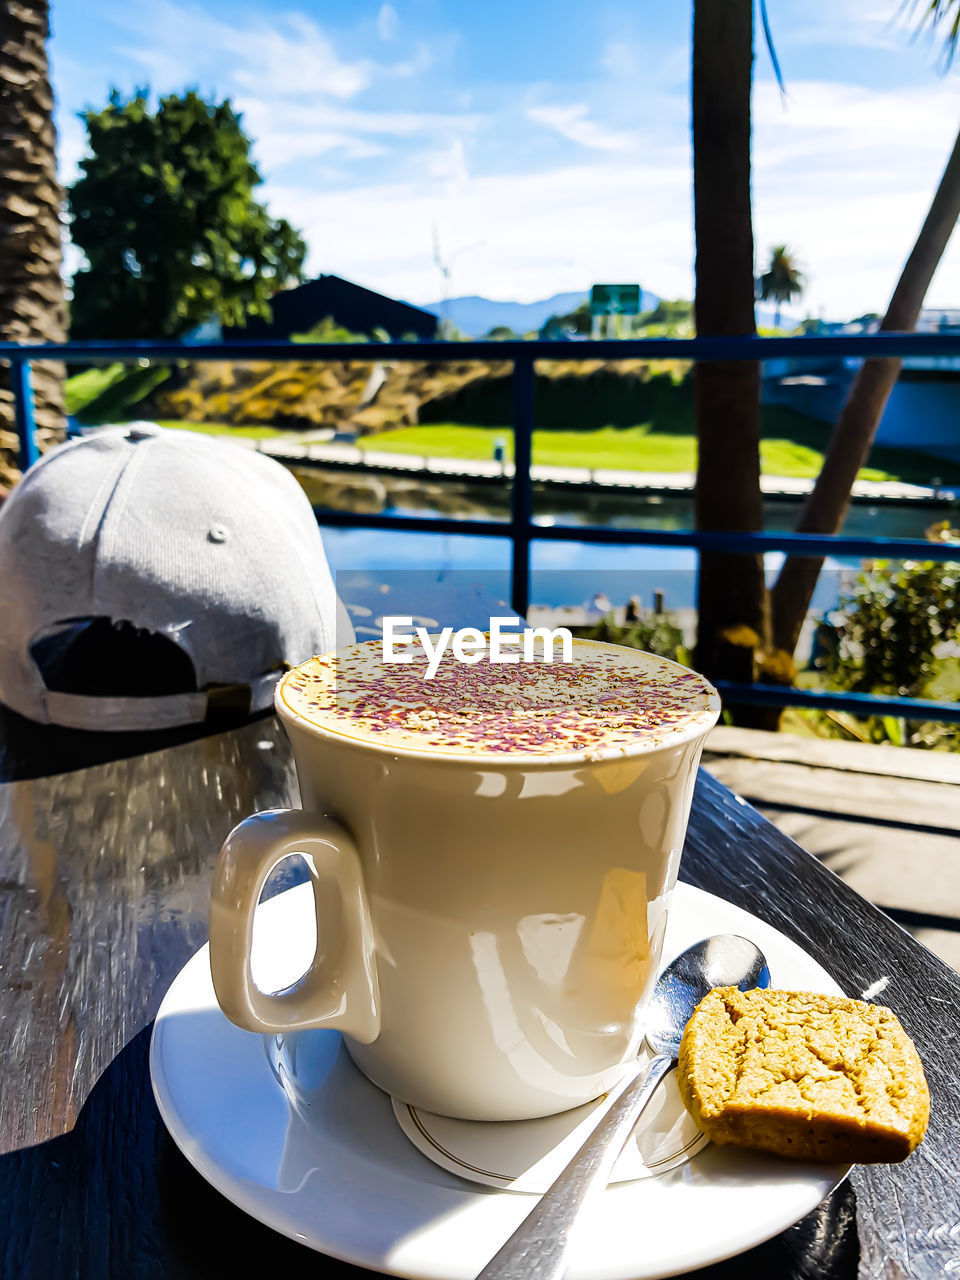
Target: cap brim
column 135, row 715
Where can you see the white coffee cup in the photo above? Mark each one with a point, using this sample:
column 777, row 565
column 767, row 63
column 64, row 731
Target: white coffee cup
column 488, row 929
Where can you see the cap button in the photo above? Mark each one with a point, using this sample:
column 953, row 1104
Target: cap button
column 217, row 533
column 142, row 431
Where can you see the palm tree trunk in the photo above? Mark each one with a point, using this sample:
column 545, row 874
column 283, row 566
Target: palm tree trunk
column 856, row 428
column 31, row 287
column 731, row 596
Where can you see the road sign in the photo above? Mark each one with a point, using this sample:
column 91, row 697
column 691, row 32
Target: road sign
column 615, row 300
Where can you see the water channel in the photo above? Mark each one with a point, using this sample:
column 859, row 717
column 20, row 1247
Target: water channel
column 571, row 573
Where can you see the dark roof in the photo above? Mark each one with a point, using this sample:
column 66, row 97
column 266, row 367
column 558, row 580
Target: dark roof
column 350, row 305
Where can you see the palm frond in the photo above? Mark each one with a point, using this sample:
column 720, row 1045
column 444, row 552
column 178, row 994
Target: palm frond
column 941, row 17
column 771, row 49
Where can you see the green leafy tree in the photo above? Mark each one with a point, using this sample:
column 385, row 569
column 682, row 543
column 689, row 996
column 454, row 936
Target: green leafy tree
column 782, row 281
column 166, row 216
column 668, row 319
column 447, row 331
column 327, row 330
column 575, row 321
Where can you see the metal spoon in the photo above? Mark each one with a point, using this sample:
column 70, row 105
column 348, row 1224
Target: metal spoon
column 537, row 1250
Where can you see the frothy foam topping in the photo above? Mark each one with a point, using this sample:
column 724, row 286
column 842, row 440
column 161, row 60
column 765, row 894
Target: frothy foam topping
column 607, row 699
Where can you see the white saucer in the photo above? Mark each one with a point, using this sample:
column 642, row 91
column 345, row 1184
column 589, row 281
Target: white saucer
column 528, row 1155
column 341, row 1177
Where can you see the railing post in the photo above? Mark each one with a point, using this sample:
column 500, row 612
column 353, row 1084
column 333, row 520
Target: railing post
column 21, row 384
column 521, row 497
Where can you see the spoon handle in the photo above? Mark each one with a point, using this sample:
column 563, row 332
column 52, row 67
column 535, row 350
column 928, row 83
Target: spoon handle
column 537, row 1250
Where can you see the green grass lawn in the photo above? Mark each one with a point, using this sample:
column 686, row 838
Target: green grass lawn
column 792, row 445
column 640, row 448
column 83, row 388
column 609, row 448
column 617, row 448
column 225, row 429
column 110, row 393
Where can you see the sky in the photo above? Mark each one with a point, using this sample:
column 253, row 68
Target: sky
column 546, row 143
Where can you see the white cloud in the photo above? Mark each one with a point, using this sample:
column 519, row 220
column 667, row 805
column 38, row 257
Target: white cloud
column 619, row 59
column 293, row 130
column 530, row 234
column 285, row 53
column 573, row 123
column 293, row 57
column 450, row 167
column 400, row 124
column 280, row 142
column 845, row 23
column 288, row 80
column 388, row 22
column 416, row 65
column 845, row 175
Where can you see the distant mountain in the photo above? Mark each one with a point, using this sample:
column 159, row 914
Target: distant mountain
column 477, row 316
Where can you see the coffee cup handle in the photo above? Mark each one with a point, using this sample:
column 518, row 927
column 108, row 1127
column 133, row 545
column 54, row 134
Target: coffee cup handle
column 340, row 989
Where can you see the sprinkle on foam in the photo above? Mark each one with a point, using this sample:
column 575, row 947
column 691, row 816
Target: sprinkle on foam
column 605, row 699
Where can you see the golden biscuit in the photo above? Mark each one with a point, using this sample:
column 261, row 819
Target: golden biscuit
column 805, row 1076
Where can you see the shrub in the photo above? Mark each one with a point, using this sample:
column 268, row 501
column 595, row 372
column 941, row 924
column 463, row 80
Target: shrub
column 654, row 633
column 892, row 634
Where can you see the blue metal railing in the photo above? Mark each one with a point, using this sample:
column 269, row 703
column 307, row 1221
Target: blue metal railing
column 522, row 529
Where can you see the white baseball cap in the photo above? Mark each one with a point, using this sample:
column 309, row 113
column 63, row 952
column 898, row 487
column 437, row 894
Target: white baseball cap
column 166, row 534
